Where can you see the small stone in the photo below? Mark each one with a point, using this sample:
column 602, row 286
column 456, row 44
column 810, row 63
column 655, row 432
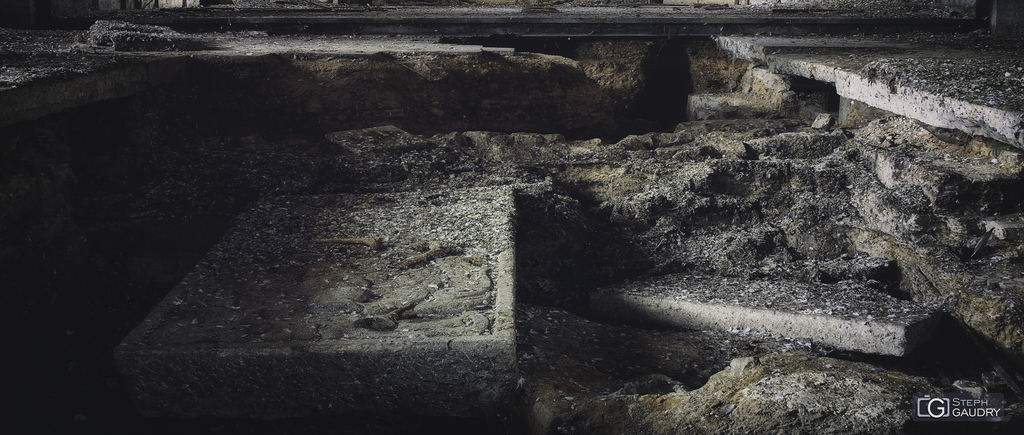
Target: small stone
column 726, row 410
column 968, row 386
column 823, row 121
column 1006, row 227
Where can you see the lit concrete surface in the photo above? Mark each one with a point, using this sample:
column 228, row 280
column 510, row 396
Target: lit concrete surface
column 976, row 92
column 273, row 324
column 846, row 315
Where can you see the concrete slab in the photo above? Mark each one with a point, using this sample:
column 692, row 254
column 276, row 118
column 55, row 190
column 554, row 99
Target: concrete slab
column 967, row 89
column 172, row 4
column 846, row 315
column 282, row 318
column 1005, row 17
column 502, row 17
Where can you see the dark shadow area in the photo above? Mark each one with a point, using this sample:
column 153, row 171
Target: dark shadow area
column 661, row 105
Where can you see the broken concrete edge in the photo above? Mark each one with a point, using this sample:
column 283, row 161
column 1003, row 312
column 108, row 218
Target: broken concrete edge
column 368, row 377
column 937, row 110
column 856, row 335
column 933, row 109
column 116, row 36
column 133, row 73
column 945, row 275
column 504, row 325
column 931, row 273
column 35, row 100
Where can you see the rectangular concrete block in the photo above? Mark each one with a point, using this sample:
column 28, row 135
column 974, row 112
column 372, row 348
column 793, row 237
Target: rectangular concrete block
column 846, row 315
column 285, row 318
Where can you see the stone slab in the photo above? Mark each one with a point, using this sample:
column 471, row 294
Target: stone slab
column 272, row 324
column 846, row 315
column 924, row 83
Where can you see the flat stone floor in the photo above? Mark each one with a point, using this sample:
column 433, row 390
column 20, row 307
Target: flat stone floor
column 275, row 321
column 846, row 315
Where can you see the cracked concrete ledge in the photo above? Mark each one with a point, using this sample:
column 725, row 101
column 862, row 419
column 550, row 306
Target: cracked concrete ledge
column 133, row 59
column 275, row 323
column 106, row 81
column 846, row 315
column 884, row 75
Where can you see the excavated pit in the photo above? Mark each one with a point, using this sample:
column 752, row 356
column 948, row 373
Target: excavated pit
column 614, row 187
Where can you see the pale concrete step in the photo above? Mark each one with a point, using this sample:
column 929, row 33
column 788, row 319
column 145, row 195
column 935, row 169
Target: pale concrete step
column 272, row 323
column 760, row 94
column 846, row 315
column 957, row 88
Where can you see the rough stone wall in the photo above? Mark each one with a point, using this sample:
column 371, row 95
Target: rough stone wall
column 424, row 96
column 616, row 66
column 713, row 70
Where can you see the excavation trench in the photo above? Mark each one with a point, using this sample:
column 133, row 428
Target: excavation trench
column 109, row 205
